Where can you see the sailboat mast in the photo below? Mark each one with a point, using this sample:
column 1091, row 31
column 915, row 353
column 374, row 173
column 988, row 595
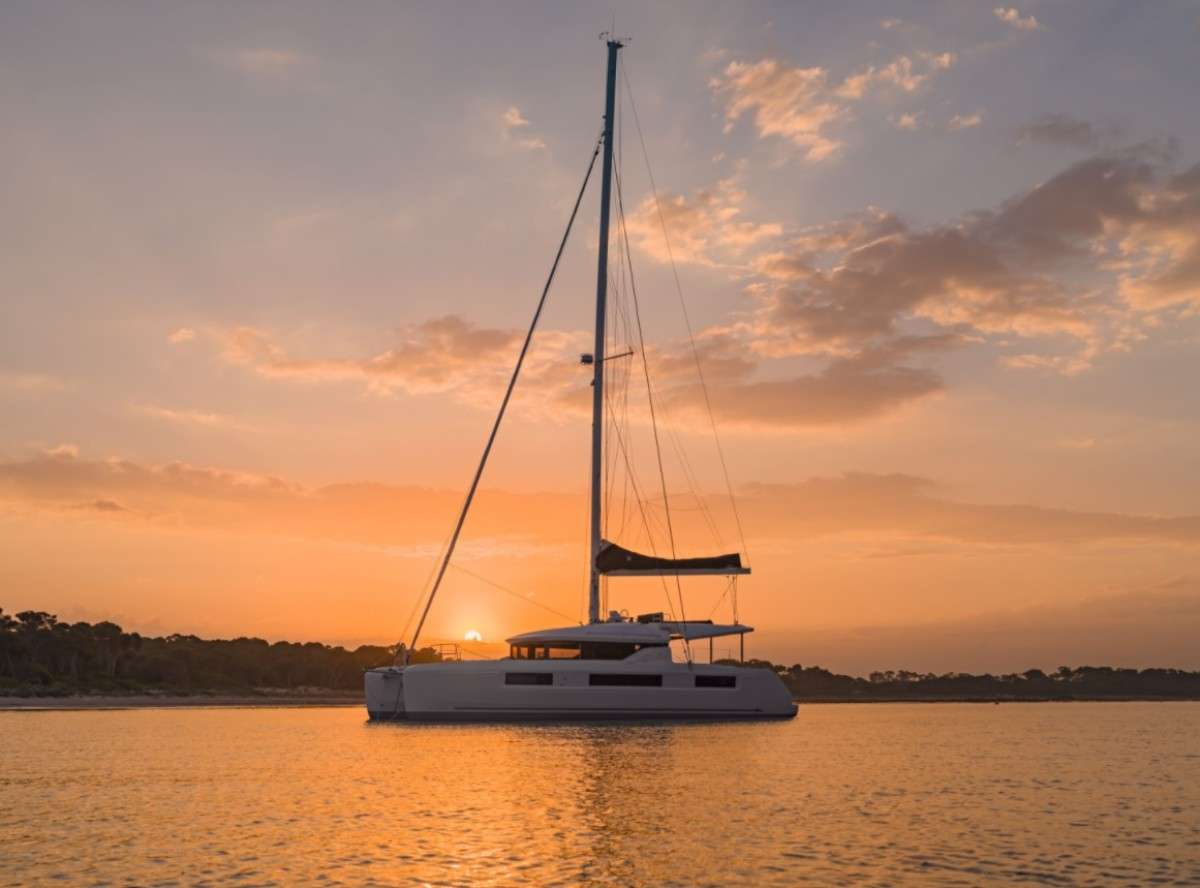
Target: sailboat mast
column 614, row 46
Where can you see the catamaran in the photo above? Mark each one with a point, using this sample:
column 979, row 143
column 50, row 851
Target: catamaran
column 612, row 667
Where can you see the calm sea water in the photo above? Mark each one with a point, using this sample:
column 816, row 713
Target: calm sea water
column 869, row 794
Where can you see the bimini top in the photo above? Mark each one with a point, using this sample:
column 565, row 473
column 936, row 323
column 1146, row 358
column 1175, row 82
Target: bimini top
column 617, row 561
column 623, row 631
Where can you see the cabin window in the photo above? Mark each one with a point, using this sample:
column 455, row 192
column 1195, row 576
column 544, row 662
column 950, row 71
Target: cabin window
column 562, row 651
column 570, row 650
column 624, row 680
column 611, row 650
column 716, row 681
column 529, row 678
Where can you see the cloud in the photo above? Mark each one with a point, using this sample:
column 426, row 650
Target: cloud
column 704, row 229
column 965, row 121
column 267, row 63
column 877, row 507
column 250, row 544
column 1086, row 257
column 190, row 417
column 802, row 106
column 32, row 383
column 941, row 61
column 1152, row 626
column 1010, row 16
column 1054, row 278
column 1077, row 443
column 445, row 354
column 105, row 505
column 909, row 121
column 793, row 103
column 181, row 335
column 1059, row 129
column 513, row 118
column 871, row 383
column 898, row 73
column 917, row 508
column 182, row 496
column 515, row 125
column 451, row 355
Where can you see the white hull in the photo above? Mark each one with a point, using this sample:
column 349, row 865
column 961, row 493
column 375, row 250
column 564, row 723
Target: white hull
column 573, row 689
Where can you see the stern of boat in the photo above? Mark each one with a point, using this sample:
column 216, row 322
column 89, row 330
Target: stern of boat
column 384, row 689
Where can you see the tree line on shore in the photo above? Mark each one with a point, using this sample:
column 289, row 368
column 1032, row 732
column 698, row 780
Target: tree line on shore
column 1065, row 683
column 43, row 656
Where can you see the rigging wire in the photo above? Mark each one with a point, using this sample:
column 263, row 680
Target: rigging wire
column 512, row 592
column 662, row 476
column 724, row 594
column 584, row 562
column 689, row 475
column 641, row 501
column 424, row 587
column 507, row 396
column 686, row 318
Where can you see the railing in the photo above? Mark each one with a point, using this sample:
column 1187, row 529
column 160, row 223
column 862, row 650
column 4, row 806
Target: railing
column 448, row 650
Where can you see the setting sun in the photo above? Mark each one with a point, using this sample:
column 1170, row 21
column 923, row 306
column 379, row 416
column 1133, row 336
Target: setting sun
column 473, row 635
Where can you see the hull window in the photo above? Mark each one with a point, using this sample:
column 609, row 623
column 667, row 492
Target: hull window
column 716, row 681
column 529, row 678
column 617, row 680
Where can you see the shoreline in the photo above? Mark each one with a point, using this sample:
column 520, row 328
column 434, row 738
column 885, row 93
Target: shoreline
column 83, row 702
column 102, row 702
column 805, row 701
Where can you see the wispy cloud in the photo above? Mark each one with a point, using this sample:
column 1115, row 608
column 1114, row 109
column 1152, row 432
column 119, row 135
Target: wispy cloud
column 446, row 354
column 793, row 103
column 516, row 130
column 705, row 229
column 16, row 381
column 263, row 62
column 191, row 417
column 883, row 505
column 181, row 335
column 804, row 107
column 1011, row 16
column 1059, row 129
column 965, row 121
column 899, row 73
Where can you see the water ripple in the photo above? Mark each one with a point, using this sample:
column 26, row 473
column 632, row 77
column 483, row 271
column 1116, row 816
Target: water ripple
column 1051, row 794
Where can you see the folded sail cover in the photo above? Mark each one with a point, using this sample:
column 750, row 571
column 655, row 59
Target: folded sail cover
column 617, row 561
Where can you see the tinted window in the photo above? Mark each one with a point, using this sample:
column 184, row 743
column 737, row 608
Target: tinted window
column 716, row 681
column 528, row 678
column 611, row 650
column 606, row 650
column 626, row 680
column 564, row 651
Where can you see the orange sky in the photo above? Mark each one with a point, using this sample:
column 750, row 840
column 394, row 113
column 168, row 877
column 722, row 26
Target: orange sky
column 263, row 278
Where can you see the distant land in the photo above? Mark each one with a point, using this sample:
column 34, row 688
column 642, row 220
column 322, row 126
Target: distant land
column 41, row 657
